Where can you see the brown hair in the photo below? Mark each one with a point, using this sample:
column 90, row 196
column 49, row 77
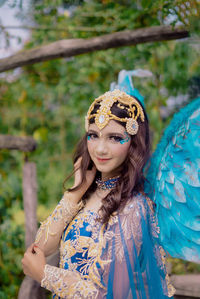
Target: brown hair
column 132, row 179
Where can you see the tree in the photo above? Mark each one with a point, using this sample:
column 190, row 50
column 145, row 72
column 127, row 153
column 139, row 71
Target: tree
column 181, row 10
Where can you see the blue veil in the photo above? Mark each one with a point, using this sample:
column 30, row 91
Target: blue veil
column 137, row 266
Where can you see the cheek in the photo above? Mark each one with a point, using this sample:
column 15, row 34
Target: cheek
column 121, row 150
column 90, row 147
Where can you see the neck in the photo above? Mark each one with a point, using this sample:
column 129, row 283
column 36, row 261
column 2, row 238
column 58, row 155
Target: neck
column 105, row 177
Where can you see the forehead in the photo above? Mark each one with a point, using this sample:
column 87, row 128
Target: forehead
column 112, row 126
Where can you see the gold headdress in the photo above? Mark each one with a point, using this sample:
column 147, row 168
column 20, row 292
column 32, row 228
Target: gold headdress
column 104, row 114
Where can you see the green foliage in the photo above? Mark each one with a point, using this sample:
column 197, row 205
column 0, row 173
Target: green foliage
column 12, row 248
column 49, row 100
column 183, row 267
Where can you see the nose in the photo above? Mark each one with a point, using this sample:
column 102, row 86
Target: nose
column 101, row 147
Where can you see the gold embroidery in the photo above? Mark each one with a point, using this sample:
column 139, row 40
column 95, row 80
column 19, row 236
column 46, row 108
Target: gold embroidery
column 58, row 280
column 64, row 212
column 84, row 245
column 131, row 227
column 83, row 251
column 93, row 273
column 170, row 288
column 83, row 289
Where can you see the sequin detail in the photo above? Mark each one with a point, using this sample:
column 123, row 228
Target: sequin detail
column 86, row 251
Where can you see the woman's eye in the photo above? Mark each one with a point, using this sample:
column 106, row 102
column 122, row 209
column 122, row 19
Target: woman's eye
column 116, row 138
column 91, row 136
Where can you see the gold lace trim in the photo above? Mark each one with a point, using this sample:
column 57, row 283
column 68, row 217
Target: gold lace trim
column 64, row 212
column 66, row 284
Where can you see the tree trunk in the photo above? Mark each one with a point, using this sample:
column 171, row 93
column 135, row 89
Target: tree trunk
column 26, row 144
column 30, row 289
column 72, row 47
column 30, row 201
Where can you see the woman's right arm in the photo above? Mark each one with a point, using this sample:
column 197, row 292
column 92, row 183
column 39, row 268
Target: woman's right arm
column 49, row 234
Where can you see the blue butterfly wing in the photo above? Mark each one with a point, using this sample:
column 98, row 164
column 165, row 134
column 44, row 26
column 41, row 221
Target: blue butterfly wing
column 174, row 177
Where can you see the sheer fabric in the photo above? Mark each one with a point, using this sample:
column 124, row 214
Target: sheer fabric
column 120, row 260
column 49, row 234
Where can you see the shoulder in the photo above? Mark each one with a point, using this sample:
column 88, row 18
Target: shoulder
column 139, row 203
column 136, row 207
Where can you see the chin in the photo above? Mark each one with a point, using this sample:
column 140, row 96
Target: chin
column 108, row 172
column 103, row 169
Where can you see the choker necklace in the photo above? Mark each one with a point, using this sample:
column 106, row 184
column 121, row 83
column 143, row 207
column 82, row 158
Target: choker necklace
column 109, row 184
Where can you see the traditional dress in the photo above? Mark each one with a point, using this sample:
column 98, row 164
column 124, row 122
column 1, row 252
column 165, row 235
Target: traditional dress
column 120, row 260
column 124, row 258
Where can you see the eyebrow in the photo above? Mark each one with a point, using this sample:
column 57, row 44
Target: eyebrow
column 107, row 134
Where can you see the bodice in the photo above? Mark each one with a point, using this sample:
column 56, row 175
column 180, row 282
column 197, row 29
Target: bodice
column 79, row 243
column 100, row 253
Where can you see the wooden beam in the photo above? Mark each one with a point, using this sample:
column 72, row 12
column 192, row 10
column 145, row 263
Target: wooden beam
column 25, row 144
column 30, row 201
column 30, row 288
column 73, row 47
column 186, row 285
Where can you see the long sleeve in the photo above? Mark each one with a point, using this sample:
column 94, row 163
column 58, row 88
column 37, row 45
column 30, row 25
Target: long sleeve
column 50, row 231
column 68, row 284
column 127, row 261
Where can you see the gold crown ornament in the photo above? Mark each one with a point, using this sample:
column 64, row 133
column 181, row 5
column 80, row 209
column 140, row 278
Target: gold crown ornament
column 104, row 114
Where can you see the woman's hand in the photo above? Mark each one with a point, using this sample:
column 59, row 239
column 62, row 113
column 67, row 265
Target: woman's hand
column 33, row 263
column 89, row 176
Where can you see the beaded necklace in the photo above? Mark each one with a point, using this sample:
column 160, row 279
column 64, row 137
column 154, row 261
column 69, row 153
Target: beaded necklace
column 108, row 184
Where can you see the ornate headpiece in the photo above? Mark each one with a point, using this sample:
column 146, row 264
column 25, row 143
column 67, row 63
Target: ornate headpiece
column 104, row 114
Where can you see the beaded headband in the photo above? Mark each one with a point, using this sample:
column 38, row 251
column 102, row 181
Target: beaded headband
column 104, row 114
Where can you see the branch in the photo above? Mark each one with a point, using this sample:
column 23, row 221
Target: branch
column 73, row 47
column 44, row 28
column 26, row 144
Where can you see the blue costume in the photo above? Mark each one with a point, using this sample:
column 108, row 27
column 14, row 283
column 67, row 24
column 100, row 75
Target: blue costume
column 124, row 258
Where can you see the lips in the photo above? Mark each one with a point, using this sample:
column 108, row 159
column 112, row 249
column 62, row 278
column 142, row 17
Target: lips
column 102, row 160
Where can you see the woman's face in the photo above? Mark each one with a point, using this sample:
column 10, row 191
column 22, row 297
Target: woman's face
column 108, row 147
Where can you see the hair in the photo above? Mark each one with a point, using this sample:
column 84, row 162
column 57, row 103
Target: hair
column 132, row 178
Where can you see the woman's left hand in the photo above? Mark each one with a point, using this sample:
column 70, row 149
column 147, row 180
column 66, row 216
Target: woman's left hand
column 33, row 263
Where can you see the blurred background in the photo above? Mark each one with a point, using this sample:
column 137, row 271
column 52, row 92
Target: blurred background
column 48, row 100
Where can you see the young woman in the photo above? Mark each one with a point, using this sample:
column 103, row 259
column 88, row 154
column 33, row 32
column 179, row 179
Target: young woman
column 104, row 225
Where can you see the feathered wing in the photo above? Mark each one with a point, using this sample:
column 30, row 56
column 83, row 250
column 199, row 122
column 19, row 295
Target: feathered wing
column 174, row 177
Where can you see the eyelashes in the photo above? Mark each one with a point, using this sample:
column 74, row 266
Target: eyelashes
column 116, row 138
column 92, row 136
column 88, row 137
column 113, row 138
